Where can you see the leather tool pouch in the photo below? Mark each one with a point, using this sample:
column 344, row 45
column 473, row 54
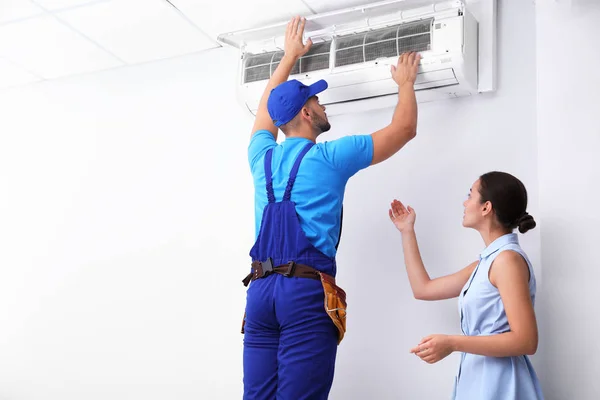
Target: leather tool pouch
column 335, row 303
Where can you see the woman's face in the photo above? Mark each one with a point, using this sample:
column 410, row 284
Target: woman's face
column 473, row 215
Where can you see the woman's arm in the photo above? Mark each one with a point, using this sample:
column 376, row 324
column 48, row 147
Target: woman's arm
column 510, row 274
column 423, row 287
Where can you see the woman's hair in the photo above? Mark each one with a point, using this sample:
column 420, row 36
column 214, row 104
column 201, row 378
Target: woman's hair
column 509, row 200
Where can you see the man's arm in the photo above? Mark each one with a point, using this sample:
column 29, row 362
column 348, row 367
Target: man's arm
column 387, row 141
column 293, row 50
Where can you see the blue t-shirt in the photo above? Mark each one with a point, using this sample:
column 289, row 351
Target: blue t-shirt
column 319, row 188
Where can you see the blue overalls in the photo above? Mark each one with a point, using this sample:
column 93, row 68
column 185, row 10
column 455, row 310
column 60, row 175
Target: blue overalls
column 290, row 342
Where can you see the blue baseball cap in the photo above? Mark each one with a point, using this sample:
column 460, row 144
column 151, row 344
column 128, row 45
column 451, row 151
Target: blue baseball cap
column 288, row 98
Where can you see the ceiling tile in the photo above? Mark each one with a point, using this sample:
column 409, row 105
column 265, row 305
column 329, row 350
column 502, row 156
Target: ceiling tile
column 227, row 16
column 138, row 30
column 60, row 4
column 50, row 49
column 12, row 75
column 11, row 10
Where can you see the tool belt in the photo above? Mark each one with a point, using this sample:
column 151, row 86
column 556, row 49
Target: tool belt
column 335, row 297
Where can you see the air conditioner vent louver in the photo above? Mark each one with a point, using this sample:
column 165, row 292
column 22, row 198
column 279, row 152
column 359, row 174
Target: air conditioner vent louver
column 261, row 66
column 386, row 42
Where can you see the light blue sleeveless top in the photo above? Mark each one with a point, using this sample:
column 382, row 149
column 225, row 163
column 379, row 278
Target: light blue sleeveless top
column 481, row 314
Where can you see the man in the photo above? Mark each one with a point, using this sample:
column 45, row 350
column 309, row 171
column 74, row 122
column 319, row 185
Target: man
column 290, row 340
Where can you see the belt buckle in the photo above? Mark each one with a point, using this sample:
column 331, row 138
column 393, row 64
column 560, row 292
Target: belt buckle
column 266, row 267
column 290, row 269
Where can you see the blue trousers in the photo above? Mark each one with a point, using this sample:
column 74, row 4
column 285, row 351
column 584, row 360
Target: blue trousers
column 290, row 343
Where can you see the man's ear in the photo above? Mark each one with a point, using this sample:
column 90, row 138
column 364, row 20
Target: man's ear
column 305, row 112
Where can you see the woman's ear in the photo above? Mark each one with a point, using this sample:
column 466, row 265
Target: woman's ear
column 487, row 208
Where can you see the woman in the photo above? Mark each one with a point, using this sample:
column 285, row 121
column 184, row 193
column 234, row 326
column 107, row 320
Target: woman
column 496, row 295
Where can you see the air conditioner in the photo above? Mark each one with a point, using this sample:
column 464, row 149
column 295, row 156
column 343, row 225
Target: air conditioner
column 354, row 48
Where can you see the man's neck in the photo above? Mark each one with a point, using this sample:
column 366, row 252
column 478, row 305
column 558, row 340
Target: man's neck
column 302, row 134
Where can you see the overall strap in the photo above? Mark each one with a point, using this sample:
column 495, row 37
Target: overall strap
column 269, row 176
column 288, row 190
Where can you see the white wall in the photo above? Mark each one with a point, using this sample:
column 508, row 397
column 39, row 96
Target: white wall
column 126, row 214
column 568, row 61
column 126, row 219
